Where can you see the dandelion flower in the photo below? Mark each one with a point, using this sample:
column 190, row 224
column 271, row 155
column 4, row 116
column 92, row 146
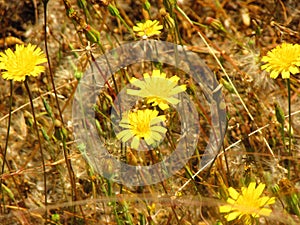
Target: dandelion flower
column 284, row 60
column 248, row 204
column 157, row 89
column 147, row 29
column 141, row 125
column 24, row 61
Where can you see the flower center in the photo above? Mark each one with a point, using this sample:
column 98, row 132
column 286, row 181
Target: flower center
column 248, row 205
column 140, row 124
column 147, row 30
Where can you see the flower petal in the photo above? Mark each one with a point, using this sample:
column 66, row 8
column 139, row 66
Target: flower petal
column 159, row 129
column 274, row 74
column 285, row 74
column 265, row 212
column 225, row 208
column 232, row 216
column 266, row 201
column 233, row 193
column 124, row 135
column 135, row 143
column 259, row 190
column 294, row 69
column 163, row 106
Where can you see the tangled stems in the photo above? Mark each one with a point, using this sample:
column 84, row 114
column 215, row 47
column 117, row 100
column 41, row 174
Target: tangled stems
column 40, row 147
column 4, row 161
column 67, row 160
column 6, row 144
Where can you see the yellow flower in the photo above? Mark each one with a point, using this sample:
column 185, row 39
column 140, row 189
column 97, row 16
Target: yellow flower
column 148, row 28
column 157, row 89
column 22, row 62
column 284, row 60
column 140, row 125
column 247, row 205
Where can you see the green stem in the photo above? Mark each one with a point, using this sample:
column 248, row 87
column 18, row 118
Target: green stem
column 40, row 147
column 290, row 127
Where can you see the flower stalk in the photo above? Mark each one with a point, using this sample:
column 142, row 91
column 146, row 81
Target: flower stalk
column 284, row 60
column 40, row 148
column 290, row 128
column 6, row 145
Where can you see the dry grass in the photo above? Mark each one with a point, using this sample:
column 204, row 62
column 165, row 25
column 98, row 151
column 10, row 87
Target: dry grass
column 239, row 32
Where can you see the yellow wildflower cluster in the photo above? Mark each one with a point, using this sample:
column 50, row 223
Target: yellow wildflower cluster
column 142, row 124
